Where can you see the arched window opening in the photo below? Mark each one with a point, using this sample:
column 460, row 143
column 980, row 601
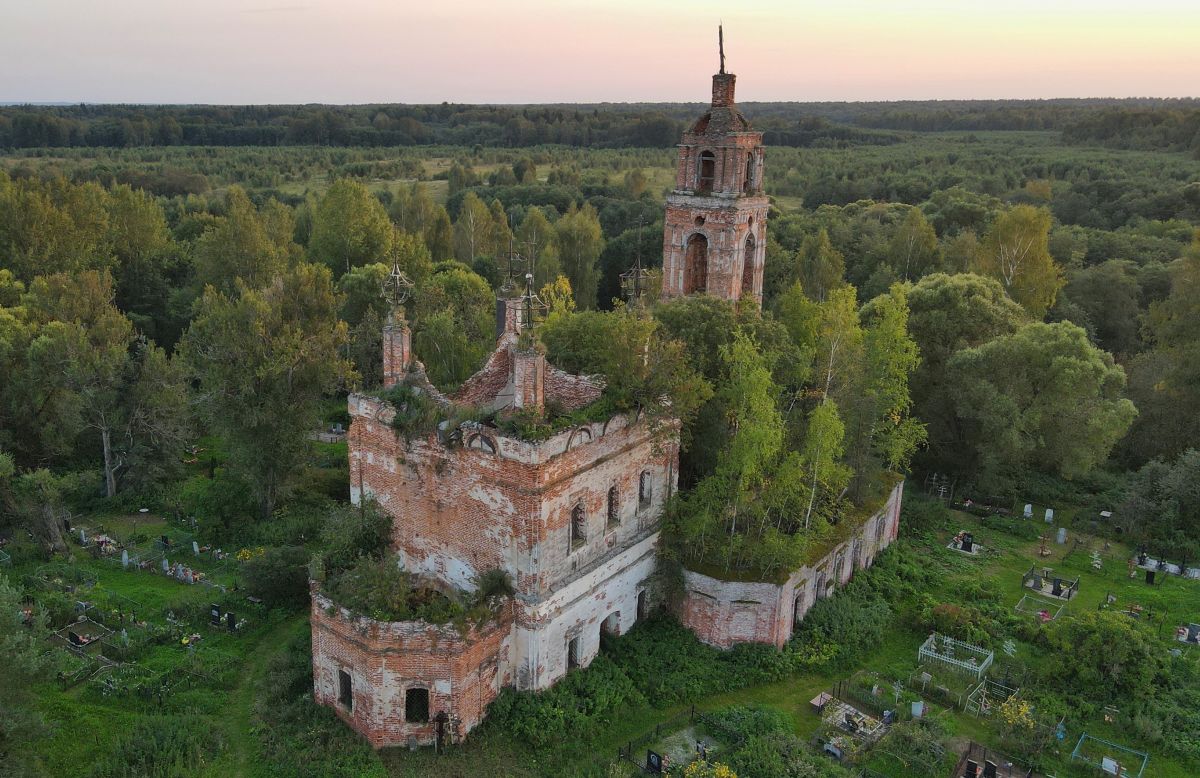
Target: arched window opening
column 572, row 653
column 748, row 181
column 695, row 265
column 614, row 509
column 707, row 172
column 481, row 443
column 643, row 605
column 578, row 526
column 645, row 490
column 345, row 690
column 748, row 259
column 416, row 706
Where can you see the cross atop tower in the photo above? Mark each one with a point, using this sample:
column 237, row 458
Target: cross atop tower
column 396, row 289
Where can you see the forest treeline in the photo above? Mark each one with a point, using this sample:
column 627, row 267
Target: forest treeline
column 1160, row 124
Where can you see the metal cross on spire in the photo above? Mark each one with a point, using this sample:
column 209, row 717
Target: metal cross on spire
column 721, row 45
column 633, row 281
column 533, row 308
column 397, row 288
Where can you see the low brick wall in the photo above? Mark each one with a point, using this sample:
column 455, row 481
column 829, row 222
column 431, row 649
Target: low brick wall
column 462, row 672
column 725, row 613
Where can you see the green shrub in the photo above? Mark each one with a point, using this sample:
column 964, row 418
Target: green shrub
column 350, row 533
column 379, row 589
column 161, row 747
column 279, row 577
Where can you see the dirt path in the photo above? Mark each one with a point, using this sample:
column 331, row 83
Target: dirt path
column 238, row 719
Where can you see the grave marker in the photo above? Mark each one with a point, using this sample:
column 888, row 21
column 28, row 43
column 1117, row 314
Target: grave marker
column 195, row 548
column 125, row 558
column 1028, row 511
column 1049, row 515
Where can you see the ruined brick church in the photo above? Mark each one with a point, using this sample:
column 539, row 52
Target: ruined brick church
column 573, row 519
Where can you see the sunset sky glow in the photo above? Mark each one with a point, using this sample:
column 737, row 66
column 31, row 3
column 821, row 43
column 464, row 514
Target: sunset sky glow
column 534, row 51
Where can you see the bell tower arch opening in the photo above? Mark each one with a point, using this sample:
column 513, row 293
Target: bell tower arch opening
column 749, row 259
column 706, row 172
column 695, row 264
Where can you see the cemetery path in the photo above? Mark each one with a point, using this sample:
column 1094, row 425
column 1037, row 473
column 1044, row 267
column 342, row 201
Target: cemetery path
column 239, row 718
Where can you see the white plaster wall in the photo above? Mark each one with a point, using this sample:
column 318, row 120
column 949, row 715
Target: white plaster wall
column 579, row 608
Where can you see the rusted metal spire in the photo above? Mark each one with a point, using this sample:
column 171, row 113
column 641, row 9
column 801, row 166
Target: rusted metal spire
column 721, row 45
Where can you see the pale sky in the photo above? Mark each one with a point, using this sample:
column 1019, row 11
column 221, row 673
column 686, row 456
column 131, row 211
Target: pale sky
column 531, row 51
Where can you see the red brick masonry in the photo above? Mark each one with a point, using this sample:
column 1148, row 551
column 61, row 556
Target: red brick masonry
column 724, row 613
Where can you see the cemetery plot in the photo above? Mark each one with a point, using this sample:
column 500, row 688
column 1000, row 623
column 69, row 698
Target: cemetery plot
column 1188, row 633
column 846, row 729
column 964, row 542
column 1110, row 758
column 1162, row 566
column 945, row 651
column 981, row 762
column 1038, row 607
column 1043, row 581
column 987, row 695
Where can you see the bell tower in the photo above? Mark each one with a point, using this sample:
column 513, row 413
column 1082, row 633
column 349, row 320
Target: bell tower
column 714, row 234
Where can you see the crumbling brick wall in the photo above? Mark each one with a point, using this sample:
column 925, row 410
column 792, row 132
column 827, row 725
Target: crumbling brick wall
column 462, row 671
column 724, row 613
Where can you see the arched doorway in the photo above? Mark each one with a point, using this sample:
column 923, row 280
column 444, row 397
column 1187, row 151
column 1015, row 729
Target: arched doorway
column 748, row 258
column 695, row 264
column 822, row 587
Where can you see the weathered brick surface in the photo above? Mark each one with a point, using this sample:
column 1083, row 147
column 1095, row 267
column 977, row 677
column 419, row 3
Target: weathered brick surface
column 462, row 671
column 724, row 613
column 461, row 507
column 725, row 213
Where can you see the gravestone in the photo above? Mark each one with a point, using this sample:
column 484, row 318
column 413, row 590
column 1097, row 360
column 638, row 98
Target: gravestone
column 1049, row 515
column 166, row 566
column 1028, row 511
column 918, row 709
column 125, row 558
column 214, row 615
column 1062, row 535
column 230, row 621
column 82, row 537
column 654, row 762
column 1150, row 577
column 968, row 542
column 1057, row 590
column 195, row 548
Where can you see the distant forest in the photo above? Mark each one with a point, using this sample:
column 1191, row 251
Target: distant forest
column 1139, row 123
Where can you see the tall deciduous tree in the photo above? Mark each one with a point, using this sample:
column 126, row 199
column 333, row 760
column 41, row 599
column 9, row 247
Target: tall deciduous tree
column 240, row 246
column 913, row 250
column 473, row 232
column 1043, row 399
column 822, row 268
column 1015, row 251
column 262, row 361
column 580, row 242
column 350, row 228
column 948, row 313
